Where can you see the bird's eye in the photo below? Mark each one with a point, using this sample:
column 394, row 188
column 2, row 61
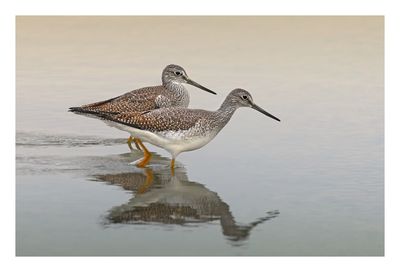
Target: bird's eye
column 178, row 73
column 244, row 97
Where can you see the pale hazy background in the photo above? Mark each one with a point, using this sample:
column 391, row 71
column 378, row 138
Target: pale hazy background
column 321, row 167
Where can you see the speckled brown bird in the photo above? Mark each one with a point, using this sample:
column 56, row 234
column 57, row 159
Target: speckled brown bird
column 172, row 93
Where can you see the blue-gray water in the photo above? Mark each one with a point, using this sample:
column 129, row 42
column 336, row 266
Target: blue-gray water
column 310, row 185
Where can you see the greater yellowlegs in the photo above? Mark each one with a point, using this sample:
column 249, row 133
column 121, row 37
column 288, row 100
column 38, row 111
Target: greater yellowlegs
column 179, row 129
column 172, row 93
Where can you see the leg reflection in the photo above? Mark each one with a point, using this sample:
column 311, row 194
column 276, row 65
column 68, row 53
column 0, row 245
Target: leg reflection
column 148, row 182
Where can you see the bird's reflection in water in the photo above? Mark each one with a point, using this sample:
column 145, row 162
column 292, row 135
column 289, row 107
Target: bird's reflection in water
column 162, row 196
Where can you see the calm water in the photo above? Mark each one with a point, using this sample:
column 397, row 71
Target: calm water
column 310, row 185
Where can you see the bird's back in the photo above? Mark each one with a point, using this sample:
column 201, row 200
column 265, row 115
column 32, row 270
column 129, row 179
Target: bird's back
column 143, row 99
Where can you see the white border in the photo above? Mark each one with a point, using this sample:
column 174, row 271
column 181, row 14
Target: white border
column 203, row 7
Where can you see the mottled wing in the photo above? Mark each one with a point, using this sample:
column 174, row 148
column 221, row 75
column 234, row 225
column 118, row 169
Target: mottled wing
column 137, row 100
column 159, row 120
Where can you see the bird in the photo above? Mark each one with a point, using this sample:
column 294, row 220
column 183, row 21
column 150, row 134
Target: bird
column 179, row 129
column 172, row 93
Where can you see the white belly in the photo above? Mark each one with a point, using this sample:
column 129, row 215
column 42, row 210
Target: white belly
column 167, row 140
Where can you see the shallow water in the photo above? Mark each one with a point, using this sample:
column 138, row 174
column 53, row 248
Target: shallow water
column 310, row 185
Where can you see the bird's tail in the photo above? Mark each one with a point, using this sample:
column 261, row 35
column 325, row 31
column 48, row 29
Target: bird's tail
column 82, row 110
column 76, row 109
column 109, row 116
column 91, row 111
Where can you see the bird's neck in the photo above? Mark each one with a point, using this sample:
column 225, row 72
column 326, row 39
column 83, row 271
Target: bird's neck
column 225, row 113
column 179, row 92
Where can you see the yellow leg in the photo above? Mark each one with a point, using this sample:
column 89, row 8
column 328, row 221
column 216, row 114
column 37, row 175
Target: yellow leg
column 149, row 181
column 136, row 143
column 147, row 155
column 129, row 142
column 173, row 167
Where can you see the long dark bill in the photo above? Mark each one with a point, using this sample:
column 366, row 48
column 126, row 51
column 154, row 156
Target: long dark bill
column 191, row 82
column 254, row 106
